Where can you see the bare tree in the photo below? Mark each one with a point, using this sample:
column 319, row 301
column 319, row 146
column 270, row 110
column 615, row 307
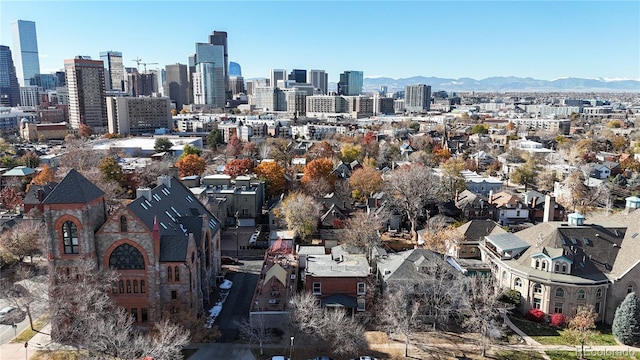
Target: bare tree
column 300, row 212
column 577, row 196
column 400, row 312
column 411, row 189
column 441, row 289
column 344, row 332
column 29, row 293
column 362, row 231
column 482, row 309
column 256, row 331
column 25, row 239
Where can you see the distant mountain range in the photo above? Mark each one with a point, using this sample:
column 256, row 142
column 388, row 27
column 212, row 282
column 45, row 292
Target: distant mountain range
column 506, row 83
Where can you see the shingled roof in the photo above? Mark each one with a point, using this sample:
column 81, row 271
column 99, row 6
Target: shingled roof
column 73, row 189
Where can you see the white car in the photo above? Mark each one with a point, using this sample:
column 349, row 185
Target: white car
column 7, row 312
column 254, row 238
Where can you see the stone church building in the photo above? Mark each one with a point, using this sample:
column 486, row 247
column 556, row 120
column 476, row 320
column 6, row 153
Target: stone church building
column 164, row 245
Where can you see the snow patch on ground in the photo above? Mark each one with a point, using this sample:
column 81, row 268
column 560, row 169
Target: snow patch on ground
column 214, row 312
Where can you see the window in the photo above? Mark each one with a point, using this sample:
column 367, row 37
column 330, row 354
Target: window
column 123, row 223
column 126, row 257
column 560, row 292
column 128, row 286
column 557, row 267
column 518, row 213
column 518, row 282
column 362, row 288
column 135, row 286
column 317, row 288
column 598, row 293
column 537, row 288
column 174, row 294
column 169, row 273
column 581, row 294
column 544, row 265
column 597, row 308
column 558, row 308
column 134, row 314
column 114, row 288
column 142, row 288
column 537, row 263
column 121, row 286
column 144, row 315
column 537, row 303
column 564, row 268
column 176, row 274
column 629, row 288
column 70, row 237
column 362, row 305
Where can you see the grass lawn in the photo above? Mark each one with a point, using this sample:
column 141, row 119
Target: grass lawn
column 572, row 355
column 548, row 335
column 517, row 355
column 27, row 333
column 56, row 355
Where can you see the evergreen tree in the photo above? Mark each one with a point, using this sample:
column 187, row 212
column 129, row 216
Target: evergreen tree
column 626, row 322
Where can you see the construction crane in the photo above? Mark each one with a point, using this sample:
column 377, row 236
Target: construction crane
column 139, row 61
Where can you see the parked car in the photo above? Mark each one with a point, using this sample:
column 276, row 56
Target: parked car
column 7, row 315
column 279, row 357
column 254, row 238
column 322, row 358
column 229, row 260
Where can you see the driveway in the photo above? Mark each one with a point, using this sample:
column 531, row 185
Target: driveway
column 236, row 307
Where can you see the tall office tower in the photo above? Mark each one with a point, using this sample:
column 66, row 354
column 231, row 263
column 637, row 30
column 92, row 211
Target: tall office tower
column 29, row 95
column 25, row 46
column 319, row 79
column 220, row 38
column 85, row 86
column 45, row 81
column 236, row 83
column 299, row 76
column 350, row 83
column 177, row 84
column 9, row 85
column 417, row 98
column 61, row 78
column 113, row 70
column 276, row 75
column 209, row 86
column 252, row 84
column 269, row 98
column 138, row 115
column 142, row 84
column 234, row 69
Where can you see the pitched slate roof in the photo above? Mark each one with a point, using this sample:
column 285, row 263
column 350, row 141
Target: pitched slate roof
column 405, row 265
column 178, row 212
column 73, row 189
column 31, row 197
column 476, row 230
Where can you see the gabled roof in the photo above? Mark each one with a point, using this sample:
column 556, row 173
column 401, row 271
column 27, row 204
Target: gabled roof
column 73, row 189
column 405, row 265
column 505, row 198
column 476, row 230
column 469, row 199
column 31, row 197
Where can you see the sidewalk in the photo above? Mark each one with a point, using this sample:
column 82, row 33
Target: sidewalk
column 40, row 341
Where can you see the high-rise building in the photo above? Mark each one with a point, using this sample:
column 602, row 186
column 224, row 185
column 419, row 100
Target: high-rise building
column 138, row 115
column 85, row 86
column 234, row 69
column 25, row 47
column 277, row 75
column 177, row 84
column 299, row 76
column 29, row 95
column 236, row 83
column 269, row 98
column 417, row 98
column 9, row 85
column 209, row 86
column 45, row 81
column 113, row 70
column 350, row 83
column 220, row 38
column 141, row 84
column 319, row 79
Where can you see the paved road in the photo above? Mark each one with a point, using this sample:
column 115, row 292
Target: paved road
column 236, row 307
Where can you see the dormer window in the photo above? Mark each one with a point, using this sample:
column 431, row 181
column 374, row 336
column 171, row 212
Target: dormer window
column 537, row 263
column 581, row 294
column 544, row 265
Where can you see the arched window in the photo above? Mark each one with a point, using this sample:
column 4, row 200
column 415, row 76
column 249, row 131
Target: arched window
column 560, row 292
column 114, row 288
column 135, row 286
column 169, row 273
column 544, row 265
column 537, row 288
column 176, row 274
column 581, row 294
column 557, row 267
column 70, row 237
column 121, row 286
column 505, row 279
column 599, row 293
column 126, row 257
column 564, row 268
column 142, row 287
column 518, row 282
column 123, row 223
column 537, row 263
column 630, row 288
column 128, row 286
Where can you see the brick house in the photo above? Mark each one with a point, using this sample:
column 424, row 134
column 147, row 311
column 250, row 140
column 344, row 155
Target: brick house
column 164, row 245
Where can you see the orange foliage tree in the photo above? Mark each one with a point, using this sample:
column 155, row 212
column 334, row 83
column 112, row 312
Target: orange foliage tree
column 440, row 154
column 318, row 177
column 365, row 182
column 237, row 167
column 45, row 176
column 273, row 175
column 191, row 165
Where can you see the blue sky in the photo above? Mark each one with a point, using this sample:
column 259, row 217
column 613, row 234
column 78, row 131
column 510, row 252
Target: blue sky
column 477, row 39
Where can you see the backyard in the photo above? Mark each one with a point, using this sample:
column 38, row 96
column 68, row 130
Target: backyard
column 549, row 335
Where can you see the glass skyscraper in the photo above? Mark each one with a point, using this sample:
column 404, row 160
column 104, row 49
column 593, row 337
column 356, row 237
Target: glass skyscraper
column 209, row 87
column 25, row 46
column 113, row 70
column 350, row 83
column 234, row 69
column 9, row 86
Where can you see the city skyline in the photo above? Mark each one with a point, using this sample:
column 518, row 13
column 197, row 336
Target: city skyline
column 539, row 39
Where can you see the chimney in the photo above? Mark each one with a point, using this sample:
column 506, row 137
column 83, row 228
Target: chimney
column 534, row 202
column 549, row 209
column 490, row 196
column 146, row 192
column 156, row 238
column 457, row 196
column 164, row 180
column 40, row 194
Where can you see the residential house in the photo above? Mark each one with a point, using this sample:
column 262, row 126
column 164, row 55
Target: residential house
column 340, row 280
column 510, row 208
column 472, row 233
column 164, row 245
column 17, row 176
column 599, row 171
column 474, row 206
column 244, row 197
column 398, row 269
column 558, row 266
column 481, row 185
column 543, row 207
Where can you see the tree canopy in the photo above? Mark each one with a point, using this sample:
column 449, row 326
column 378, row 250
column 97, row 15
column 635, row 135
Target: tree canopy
column 191, row 165
column 626, row 322
column 162, row 144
